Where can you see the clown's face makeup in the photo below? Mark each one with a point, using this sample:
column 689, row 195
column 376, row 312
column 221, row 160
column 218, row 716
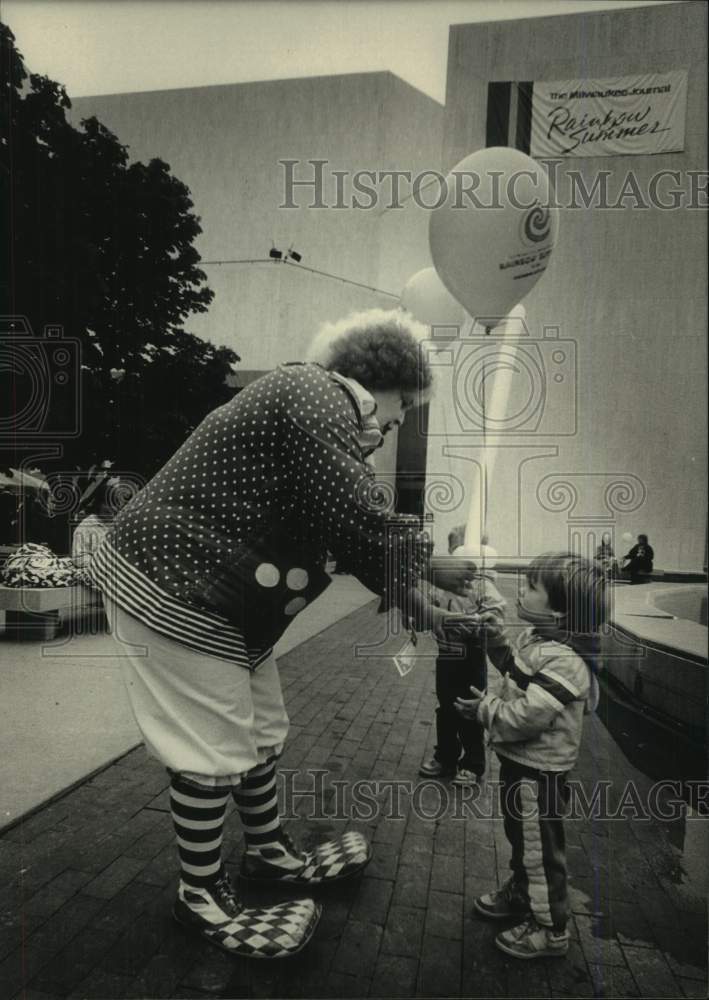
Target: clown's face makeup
column 392, row 407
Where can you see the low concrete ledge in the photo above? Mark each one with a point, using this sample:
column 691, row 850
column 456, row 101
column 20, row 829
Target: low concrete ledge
column 661, row 660
column 39, row 600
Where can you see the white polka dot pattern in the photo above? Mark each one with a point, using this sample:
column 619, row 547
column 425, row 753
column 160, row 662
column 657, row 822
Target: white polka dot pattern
column 236, row 527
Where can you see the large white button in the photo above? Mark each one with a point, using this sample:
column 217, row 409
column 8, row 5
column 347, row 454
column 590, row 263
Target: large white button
column 297, row 579
column 267, row 575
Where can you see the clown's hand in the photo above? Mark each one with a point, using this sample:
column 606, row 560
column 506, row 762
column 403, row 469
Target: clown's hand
column 468, row 707
column 461, row 626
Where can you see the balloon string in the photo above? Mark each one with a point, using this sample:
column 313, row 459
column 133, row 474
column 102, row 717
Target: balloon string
column 484, row 429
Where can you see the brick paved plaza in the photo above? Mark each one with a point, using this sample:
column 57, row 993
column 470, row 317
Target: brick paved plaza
column 89, row 880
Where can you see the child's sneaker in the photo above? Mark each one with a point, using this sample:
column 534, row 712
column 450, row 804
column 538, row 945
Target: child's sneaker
column 509, row 901
column 532, row 940
column 464, row 777
column 434, row 769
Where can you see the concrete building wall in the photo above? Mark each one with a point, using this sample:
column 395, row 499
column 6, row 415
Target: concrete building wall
column 627, row 287
column 225, row 144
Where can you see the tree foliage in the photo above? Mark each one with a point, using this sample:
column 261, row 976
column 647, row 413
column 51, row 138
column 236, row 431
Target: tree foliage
column 104, row 248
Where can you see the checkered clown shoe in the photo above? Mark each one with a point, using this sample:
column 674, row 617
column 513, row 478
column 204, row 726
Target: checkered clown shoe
column 328, row 862
column 246, row 931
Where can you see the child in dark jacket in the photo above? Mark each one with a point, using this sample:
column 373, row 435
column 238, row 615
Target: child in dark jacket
column 535, row 727
column 461, row 589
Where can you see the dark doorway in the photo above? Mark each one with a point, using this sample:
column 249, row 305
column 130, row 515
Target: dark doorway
column 411, row 462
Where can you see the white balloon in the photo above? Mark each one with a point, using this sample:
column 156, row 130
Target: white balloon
column 513, row 324
column 627, row 537
column 491, row 245
column 429, row 301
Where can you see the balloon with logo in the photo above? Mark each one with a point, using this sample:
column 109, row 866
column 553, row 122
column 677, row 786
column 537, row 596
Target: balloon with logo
column 429, row 301
column 492, row 237
column 514, row 323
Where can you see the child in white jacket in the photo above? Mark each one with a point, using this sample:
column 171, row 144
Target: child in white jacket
column 535, row 727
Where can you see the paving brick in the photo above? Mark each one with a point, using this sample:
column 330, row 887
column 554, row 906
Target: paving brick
column 480, row 861
column 484, row 966
column 570, row 974
column 444, row 915
column 384, row 862
column 694, row 988
column 651, row 972
column 685, row 947
column 53, row 895
column 395, row 976
column 416, row 849
column 528, row 979
column 151, row 843
column 450, row 838
column 114, row 878
column 159, row 977
column 372, row 900
column 334, row 919
column 403, row 931
column 598, row 949
column 138, row 943
column 124, row 908
column 307, row 975
column 20, row 968
column 440, row 967
column 211, row 974
column 390, row 831
column 358, row 948
column 613, row 981
column 340, row 984
column 416, row 826
column 161, row 868
column 447, row 873
column 411, row 885
column 74, row 962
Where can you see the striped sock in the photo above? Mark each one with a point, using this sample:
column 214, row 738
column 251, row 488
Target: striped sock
column 257, row 801
column 198, row 814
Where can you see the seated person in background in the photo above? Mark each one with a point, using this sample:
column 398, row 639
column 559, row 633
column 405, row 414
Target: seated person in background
column 456, row 538
column 639, row 560
column 605, row 556
column 462, row 660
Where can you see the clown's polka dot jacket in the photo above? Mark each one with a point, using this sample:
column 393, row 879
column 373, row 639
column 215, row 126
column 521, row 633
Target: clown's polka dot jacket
column 228, row 542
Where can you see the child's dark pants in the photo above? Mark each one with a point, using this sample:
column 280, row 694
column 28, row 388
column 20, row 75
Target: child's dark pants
column 533, row 806
column 454, row 734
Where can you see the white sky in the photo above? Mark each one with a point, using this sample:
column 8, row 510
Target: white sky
column 103, row 47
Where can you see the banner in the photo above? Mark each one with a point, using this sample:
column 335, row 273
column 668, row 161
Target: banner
column 622, row 116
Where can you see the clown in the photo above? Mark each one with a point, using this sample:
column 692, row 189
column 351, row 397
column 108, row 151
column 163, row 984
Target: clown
column 205, row 569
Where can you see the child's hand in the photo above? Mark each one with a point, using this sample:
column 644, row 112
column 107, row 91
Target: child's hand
column 493, row 624
column 468, row 707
